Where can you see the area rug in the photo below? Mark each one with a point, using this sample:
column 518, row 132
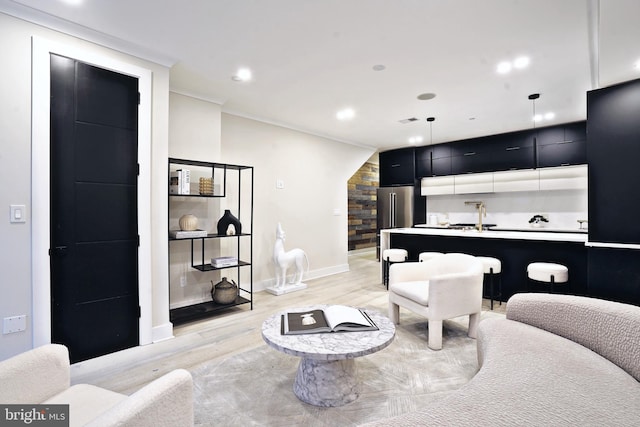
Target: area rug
column 255, row 388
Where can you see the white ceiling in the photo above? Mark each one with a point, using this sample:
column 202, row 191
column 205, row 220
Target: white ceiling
column 311, row 58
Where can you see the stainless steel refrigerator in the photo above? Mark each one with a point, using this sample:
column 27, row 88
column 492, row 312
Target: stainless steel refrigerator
column 395, row 209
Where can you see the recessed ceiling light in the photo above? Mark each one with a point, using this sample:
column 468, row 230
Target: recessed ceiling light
column 73, row 2
column 521, row 62
column 415, row 140
column 504, row 67
column 346, row 114
column 426, row 96
column 637, row 64
column 546, row 116
column 378, row 67
column 242, row 75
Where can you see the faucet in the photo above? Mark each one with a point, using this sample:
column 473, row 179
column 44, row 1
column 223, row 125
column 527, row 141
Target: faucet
column 482, row 210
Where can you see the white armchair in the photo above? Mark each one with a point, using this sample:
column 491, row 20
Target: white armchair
column 444, row 287
column 42, row 376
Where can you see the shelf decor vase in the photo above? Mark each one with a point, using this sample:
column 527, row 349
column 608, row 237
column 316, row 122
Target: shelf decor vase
column 188, row 222
column 224, row 292
column 227, row 220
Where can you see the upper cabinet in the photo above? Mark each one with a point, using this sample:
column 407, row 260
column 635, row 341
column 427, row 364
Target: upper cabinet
column 433, row 160
column 509, row 151
column 397, row 167
column 562, row 145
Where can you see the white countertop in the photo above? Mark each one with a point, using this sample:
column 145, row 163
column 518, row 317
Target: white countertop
column 552, row 236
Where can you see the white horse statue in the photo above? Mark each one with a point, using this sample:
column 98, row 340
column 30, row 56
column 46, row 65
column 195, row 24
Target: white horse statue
column 282, row 260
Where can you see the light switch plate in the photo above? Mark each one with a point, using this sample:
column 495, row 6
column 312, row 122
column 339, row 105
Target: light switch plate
column 18, row 213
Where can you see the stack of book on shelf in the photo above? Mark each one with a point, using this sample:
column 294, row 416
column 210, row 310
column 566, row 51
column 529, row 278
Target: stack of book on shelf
column 224, row 261
column 180, row 181
column 334, row 318
column 181, row 234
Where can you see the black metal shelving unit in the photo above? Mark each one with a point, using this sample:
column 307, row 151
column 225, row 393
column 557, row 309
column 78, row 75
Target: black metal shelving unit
column 245, row 295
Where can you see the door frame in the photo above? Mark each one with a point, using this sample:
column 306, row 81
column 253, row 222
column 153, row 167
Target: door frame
column 40, row 175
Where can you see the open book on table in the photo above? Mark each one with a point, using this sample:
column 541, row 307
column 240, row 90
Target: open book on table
column 334, row 318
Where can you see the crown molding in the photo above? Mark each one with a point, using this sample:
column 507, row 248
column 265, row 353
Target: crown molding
column 64, row 26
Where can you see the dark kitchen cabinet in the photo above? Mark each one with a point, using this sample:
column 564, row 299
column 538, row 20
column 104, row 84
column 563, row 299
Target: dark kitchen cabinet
column 550, row 135
column 397, row 167
column 513, row 150
column 472, row 162
column 613, row 152
column 614, row 274
column 562, row 154
column 433, row 160
column 469, row 156
column 562, row 145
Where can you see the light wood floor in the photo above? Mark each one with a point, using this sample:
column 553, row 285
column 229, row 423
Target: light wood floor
column 233, row 331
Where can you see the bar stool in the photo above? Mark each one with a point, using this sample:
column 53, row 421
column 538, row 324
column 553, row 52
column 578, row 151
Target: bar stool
column 492, row 267
column 390, row 256
column 426, row 256
column 548, row 272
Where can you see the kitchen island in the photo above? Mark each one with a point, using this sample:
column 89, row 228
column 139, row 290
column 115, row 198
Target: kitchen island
column 514, row 248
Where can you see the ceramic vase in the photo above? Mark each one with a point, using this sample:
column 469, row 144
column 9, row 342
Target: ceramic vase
column 188, row 222
column 227, row 220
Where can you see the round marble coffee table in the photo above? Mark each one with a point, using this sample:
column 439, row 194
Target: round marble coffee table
column 327, row 372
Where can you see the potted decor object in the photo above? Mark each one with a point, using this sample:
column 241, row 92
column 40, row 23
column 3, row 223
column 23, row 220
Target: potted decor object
column 188, row 222
column 227, row 220
column 538, row 221
column 224, row 292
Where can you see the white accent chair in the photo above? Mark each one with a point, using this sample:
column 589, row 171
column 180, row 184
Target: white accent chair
column 42, row 376
column 444, row 287
column 426, row 256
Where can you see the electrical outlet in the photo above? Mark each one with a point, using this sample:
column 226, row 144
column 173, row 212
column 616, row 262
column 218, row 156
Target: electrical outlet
column 14, row 324
column 183, row 281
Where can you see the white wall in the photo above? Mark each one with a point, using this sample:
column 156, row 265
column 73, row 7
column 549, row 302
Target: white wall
column 15, row 173
column 194, row 134
column 312, row 206
column 194, row 128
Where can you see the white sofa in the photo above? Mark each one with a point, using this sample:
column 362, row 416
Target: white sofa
column 42, row 376
column 555, row 360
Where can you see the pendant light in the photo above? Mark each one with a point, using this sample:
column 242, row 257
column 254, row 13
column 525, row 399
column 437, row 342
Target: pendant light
column 431, row 120
column 533, row 98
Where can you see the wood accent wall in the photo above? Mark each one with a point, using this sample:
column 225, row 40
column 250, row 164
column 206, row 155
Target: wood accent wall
column 362, row 188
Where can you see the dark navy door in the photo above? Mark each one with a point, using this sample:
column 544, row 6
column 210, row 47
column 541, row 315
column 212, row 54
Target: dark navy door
column 94, row 231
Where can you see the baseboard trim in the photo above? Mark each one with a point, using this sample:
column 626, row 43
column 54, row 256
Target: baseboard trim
column 163, row 332
column 310, row 275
